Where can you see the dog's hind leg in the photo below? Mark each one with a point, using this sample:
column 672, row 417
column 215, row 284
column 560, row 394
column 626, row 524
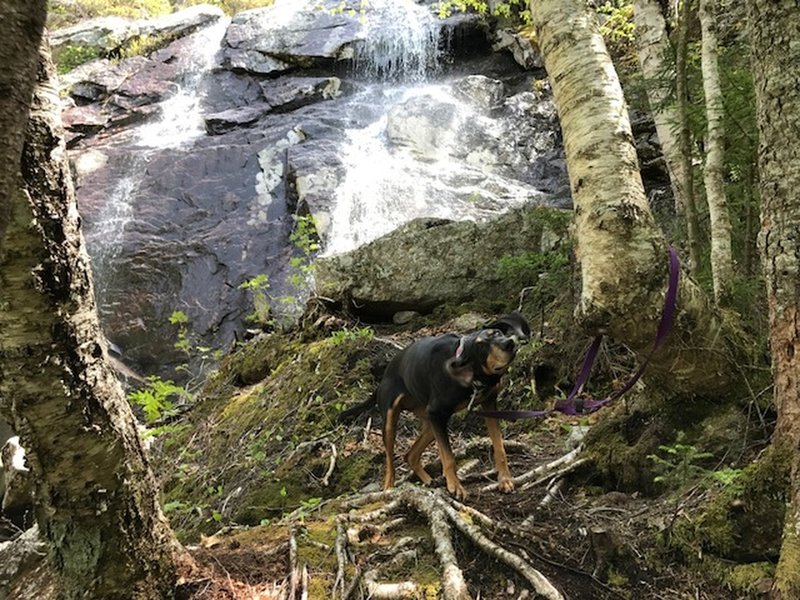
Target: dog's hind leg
column 414, row 455
column 389, row 434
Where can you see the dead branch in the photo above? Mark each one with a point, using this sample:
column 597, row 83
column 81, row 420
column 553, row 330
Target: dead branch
column 552, row 491
column 556, row 475
column 539, row 582
column 541, row 470
column 304, row 583
column 453, row 585
column 389, row 591
column 292, row 564
column 341, row 557
column 364, row 499
column 326, row 480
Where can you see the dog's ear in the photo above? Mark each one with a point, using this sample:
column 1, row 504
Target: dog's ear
column 513, row 325
column 461, row 372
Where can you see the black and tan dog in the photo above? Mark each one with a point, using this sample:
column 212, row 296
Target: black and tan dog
column 436, row 377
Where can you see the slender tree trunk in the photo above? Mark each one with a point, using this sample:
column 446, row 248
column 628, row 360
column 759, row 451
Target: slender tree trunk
column 622, row 252
column 775, row 42
column 657, row 61
column 713, row 174
column 682, row 99
column 97, row 501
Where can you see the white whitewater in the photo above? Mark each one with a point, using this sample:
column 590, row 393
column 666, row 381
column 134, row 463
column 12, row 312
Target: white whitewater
column 181, row 119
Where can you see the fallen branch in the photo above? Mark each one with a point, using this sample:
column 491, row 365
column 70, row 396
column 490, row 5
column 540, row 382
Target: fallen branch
column 389, row 591
column 453, row 585
column 327, row 479
column 557, row 474
column 341, row 556
column 540, row 583
column 567, row 459
column 292, row 564
column 552, row 491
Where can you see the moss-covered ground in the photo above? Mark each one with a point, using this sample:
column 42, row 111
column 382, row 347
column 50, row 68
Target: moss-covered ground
column 678, row 499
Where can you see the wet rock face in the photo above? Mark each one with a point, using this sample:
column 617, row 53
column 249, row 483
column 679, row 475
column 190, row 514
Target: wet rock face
column 185, row 199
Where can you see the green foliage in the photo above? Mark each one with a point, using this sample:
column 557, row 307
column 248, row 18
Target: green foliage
column 259, row 286
column 71, row 57
column 342, row 336
column 514, row 12
column 63, row 13
column 157, row 399
column 679, row 465
column 180, row 319
column 545, row 273
column 144, row 45
column 617, row 27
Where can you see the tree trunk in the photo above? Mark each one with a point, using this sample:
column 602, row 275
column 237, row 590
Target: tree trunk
column 97, row 501
column 682, row 99
column 657, row 61
column 23, row 23
column 622, row 252
column 713, row 174
column 774, row 35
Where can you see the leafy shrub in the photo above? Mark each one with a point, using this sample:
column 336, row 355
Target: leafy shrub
column 157, row 399
column 71, row 57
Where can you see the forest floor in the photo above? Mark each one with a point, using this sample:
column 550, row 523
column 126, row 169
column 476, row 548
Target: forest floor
column 588, row 544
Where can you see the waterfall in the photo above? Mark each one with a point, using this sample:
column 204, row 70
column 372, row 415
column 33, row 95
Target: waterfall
column 181, row 118
column 401, row 42
column 180, row 122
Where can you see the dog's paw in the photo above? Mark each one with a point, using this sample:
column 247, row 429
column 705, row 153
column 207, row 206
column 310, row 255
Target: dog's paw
column 457, row 491
column 506, row 485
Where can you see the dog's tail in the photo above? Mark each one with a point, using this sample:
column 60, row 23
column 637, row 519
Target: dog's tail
column 348, row 415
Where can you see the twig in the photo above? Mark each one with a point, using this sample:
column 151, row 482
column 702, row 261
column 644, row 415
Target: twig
column 292, row 564
column 557, row 475
column 363, row 499
column 341, row 557
column 304, row 583
column 540, row 583
column 326, row 480
column 367, row 428
column 389, row 591
column 552, row 490
column 540, row 470
column 453, row 585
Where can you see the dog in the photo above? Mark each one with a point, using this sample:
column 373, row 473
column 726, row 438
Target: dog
column 435, row 377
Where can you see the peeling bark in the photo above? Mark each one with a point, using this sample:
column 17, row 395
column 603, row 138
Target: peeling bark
column 685, row 135
column 713, row 173
column 97, row 501
column 774, row 35
column 657, row 61
column 622, row 252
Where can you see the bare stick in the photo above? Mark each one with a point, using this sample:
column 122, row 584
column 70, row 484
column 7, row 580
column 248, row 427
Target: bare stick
column 292, row 564
column 304, row 583
column 557, row 475
column 540, row 583
column 326, row 480
column 552, row 490
column 367, row 428
column 389, row 591
column 453, row 585
column 364, row 499
column 341, row 557
column 540, row 470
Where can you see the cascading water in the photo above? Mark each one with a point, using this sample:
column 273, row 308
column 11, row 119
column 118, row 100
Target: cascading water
column 403, row 166
column 180, row 121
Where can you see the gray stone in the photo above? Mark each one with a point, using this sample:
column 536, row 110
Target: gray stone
column 402, row 317
column 290, row 93
column 428, row 262
column 220, row 122
column 520, row 47
column 482, row 92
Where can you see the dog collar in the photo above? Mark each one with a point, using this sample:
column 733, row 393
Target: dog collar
column 460, row 349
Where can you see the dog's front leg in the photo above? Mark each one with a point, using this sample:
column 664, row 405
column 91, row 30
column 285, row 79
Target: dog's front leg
column 504, row 479
column 439, row 427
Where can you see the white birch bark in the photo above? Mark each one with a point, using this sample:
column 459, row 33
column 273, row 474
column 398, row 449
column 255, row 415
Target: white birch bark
column 713, row 173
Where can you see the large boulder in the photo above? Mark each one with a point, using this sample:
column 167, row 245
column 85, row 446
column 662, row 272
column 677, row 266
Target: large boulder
column 429, row 262
column 110, row 34
column 279, row 38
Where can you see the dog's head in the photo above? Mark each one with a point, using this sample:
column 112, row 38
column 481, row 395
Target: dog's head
column 488, row 352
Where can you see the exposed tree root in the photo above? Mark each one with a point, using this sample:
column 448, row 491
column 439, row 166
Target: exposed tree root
column 442, row 514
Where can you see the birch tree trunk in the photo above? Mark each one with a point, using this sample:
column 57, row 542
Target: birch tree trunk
column 657, row 61
column 719, row 218
column 97, row 501
column 775, row 43
column 622, row 252
column 685, row 134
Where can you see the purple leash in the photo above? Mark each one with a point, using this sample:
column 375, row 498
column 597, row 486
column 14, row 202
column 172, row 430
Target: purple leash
column 572, row 405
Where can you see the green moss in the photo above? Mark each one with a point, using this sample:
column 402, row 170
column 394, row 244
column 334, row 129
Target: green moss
column 745, row 579
column 73, row 56
column 267, row 445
